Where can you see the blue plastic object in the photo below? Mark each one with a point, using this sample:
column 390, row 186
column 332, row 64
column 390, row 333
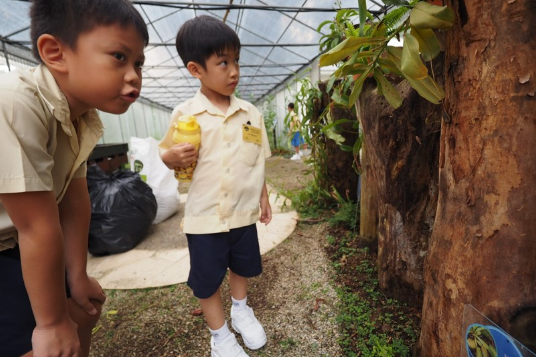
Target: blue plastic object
column 504, row 344
column 506, row 347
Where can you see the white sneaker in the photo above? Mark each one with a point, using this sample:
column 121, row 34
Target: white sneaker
column 229, row 348
column 245, row 323
column 295, row 157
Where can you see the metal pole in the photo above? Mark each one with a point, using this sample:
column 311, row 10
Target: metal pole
column 5, row 55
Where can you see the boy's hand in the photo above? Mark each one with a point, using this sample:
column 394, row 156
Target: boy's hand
column 85, row 289
column 179, row 155
column 266, row 210
column 59, row 339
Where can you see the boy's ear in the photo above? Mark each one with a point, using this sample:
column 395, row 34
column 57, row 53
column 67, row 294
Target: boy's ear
column 194, row 69
column 51, row 51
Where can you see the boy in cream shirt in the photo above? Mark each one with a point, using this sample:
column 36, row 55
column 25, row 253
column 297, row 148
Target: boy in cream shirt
column 91, row 54
column 228, row 183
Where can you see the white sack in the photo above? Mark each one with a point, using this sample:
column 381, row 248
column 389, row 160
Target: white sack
column 161, row 179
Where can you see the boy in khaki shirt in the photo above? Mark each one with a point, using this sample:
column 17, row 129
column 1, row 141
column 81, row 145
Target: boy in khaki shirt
column 227, row 186
column 91, row 53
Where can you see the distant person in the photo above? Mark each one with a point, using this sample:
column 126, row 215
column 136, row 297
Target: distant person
column 91, row 53
column 228, row 186
column 295, row 132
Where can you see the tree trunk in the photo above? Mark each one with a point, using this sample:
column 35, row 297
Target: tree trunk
column 403, row 150
column 368, row 214
column 340, row 171
column 483, row 247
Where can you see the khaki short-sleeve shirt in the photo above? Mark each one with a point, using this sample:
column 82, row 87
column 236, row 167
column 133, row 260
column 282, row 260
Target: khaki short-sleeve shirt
column 40, row 148
column 227, row 182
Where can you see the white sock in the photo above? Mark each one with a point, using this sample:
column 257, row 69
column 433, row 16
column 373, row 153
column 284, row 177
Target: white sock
column 221, row 334
column 239, row 305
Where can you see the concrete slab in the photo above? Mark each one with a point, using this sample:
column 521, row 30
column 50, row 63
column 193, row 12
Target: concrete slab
column 162, row 258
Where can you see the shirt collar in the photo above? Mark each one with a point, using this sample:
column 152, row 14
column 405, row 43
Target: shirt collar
column 201, row 103
column 58, row 105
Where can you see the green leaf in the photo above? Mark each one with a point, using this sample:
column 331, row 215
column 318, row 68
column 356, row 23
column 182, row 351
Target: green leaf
column 428, row 16
column 346, row 148
column 388, row 66
column 358, row 86
column 411, row 63
column 332, row 80
column 335, row 123
column 357, row 68
column 333, row 135
column 319, row 28
column 339, row 99
column 428, row 43
column 346, row 48
column 395, row 53
column 428, row 89
column 353, row 67
column 380, row 30
column 358, row 144
column 362, row 15
column 389, row 92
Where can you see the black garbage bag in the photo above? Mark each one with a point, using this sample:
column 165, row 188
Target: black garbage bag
column 123, row 208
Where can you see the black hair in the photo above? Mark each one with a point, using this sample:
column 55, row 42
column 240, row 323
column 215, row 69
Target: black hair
column 201, row 37
column 67, row 19
column 291, row 105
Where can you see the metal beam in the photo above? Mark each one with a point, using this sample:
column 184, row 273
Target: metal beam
column 209, row 6
column 250, row 44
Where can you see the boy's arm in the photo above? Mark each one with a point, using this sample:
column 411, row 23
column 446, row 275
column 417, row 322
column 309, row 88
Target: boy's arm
column 266, row 209
column 36, row 218
column 75, row 215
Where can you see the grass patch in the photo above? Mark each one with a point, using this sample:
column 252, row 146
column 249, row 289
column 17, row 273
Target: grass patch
column 372, row 324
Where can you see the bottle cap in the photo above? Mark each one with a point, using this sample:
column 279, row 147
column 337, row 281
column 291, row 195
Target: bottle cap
column 187, row 122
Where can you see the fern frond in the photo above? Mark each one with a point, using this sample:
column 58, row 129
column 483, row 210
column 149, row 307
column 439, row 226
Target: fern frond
column 392, row 18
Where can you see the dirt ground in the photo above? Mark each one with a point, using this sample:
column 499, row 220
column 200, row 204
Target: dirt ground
column 294, row 299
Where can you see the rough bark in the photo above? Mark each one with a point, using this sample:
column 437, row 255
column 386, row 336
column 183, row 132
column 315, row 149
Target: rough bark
column 402, row 152
column 340, row 171
column 483, row 249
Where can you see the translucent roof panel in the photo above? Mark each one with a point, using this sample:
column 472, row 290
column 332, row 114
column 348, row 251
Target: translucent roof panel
column 279, row 38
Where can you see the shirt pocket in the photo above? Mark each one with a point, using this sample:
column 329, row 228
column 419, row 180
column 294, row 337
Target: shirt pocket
column 249, row 152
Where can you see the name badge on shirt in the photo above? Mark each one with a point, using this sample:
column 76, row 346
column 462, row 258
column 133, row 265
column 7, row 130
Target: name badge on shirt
column 251, row 134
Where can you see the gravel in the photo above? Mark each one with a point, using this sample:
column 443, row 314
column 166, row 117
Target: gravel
column 294, row 299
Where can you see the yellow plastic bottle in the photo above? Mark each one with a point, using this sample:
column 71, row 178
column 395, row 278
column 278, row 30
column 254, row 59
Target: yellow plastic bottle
column 187, row 130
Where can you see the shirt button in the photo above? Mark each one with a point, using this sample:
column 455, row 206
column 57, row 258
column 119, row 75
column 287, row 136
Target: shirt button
column 222, row 222
column 228, row 170
column 228, row 145
column 225, row 194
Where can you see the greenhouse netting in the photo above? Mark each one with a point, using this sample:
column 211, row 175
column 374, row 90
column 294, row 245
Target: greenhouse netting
column 280, row 42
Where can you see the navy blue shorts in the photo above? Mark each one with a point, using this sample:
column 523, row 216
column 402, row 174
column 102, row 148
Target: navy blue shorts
column 212, row 254
column 16, row 317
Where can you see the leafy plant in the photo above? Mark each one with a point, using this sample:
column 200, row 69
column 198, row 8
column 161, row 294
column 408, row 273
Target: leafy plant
column 347, row 213
column 339, row 28
column 370, row 55
column 269, row 112
column 371, row 324
column 311, row 202
column 270, row 115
